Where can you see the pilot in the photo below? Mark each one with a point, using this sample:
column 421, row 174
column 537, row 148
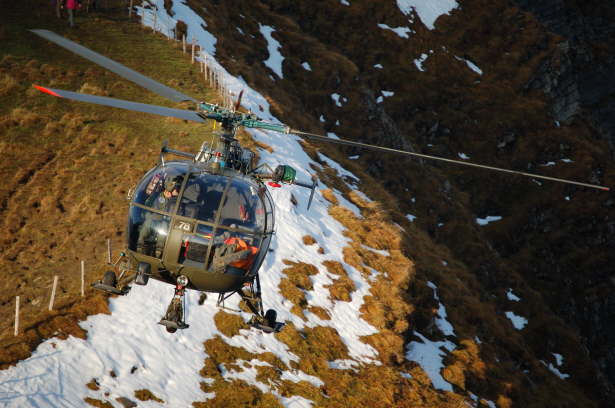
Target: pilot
column 237, row 208
column 235, row 257
column 166, row 201
column 153, row 231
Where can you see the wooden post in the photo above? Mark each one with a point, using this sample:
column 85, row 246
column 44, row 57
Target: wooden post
column 82, row 278
column 154, row 21
column 193, row 50
column 108, row 250
column 184, row 43
column 16, row 315
column 53, row 292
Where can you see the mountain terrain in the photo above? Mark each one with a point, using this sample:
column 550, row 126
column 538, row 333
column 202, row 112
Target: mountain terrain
column 518, row 311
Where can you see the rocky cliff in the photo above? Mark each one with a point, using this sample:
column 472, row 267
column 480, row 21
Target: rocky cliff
column 579, row 81
column 526, row 87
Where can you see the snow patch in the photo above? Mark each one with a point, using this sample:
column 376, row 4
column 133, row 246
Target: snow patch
column 444, row 325
column 274, row 62
column 488, row 219
column 518, row 322
column 511, row 296
column 471, row 65
column 428, row 11
column 419, row 62
column 430, row 355
column 555, row 370
column 345, row 174
column 400, row 31
column 338, row 99
column 343, row 364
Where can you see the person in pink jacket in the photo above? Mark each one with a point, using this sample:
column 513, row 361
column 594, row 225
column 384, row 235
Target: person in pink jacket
column 71, row 6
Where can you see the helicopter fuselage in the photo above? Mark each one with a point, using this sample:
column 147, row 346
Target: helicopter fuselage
column 213, row 227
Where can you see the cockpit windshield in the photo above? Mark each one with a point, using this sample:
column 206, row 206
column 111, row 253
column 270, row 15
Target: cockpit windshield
column 230, row 202
column 216, row 222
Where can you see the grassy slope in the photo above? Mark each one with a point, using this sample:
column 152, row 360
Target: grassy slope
column 67, row 166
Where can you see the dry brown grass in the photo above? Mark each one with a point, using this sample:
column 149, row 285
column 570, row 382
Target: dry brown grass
column 320, row 312
column 93, row 385
column 146, row 395
column 296, row 283
column 308, row 240
column 229, row 324
column 59, row 170
column 329, row 196
column 465, row 358
column 98, row 403
column 7, row 84
column 61, row 322
column 342, row 287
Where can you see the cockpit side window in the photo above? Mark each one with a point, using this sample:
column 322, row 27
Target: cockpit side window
column 160, row 188
column 147, row 231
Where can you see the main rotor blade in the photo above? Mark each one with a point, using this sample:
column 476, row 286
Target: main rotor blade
column 425, row 156
column 119, row 103
column 116, row 67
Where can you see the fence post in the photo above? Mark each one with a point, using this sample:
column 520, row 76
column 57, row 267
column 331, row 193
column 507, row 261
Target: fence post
column 53, row 292
column 193, row 49
column 82, row 278
column 184, row 42
column 16, row 315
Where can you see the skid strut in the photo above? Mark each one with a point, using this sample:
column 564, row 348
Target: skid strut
column 174, row 318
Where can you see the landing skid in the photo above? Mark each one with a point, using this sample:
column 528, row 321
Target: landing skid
column 174, row 317
column 173, row 325
column 251, row 295
column 99, row 285
column 266, row 328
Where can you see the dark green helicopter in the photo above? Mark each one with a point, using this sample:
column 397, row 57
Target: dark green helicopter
column 205, row 222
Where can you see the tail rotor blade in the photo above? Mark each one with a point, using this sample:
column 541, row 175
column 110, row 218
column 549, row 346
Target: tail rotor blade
column 115, row 67
column 425, row 156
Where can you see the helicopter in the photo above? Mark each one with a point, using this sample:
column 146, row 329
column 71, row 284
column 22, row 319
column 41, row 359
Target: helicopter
column 205, row 221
